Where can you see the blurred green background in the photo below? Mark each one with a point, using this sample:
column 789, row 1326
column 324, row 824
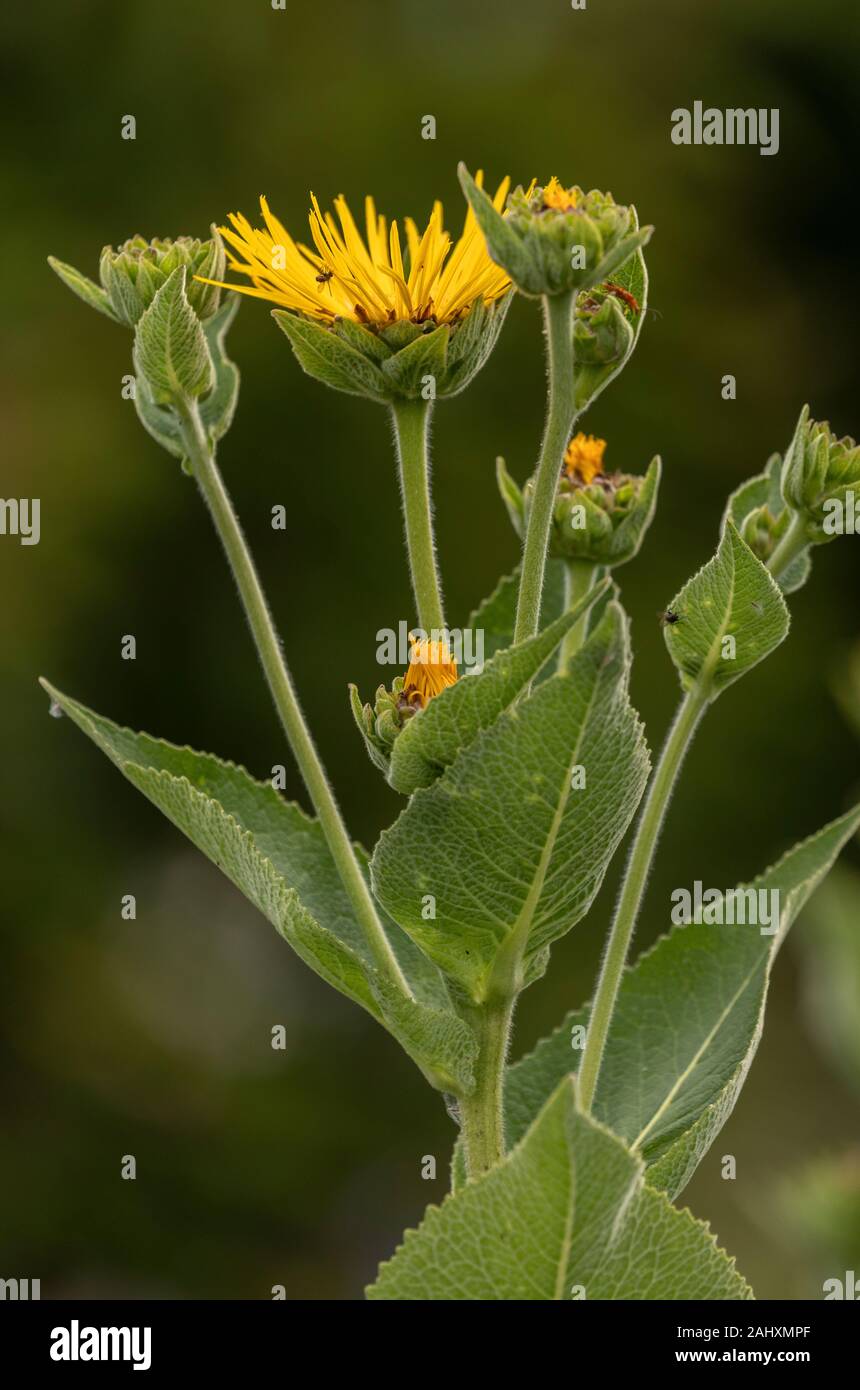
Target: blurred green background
column 152, row 1037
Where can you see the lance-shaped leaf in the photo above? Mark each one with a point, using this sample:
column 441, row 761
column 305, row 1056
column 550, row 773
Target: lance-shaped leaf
column 511, row 844
column 567, row 1216
column 686, row 1025
column 432, row 739
column 84, row 288
column 170, row 348
column 729, row 617
column 278, row 857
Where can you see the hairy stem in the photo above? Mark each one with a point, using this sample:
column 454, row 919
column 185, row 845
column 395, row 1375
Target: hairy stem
column 648, row 829
column 644, row 846
column 211, row 485
column 481, row 1114
column 561, row 411
column 788, row 549
column 579, row 576
column 411, row 421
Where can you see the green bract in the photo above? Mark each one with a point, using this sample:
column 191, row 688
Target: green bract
column 132, row 275
column 549, row 250
column 400, row 361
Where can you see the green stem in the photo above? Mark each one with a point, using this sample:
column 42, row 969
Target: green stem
column 788, row 549
column 481, row 1114
column 689, row 713
column 561, row 411
column 641, row 858
column 411, row 421
column 211, row 485
column 579, row 575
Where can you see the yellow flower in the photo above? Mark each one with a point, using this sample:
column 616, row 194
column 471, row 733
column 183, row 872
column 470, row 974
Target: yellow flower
column 431, row 669
column 583, row 459
column 371, row 279
column 556, row 196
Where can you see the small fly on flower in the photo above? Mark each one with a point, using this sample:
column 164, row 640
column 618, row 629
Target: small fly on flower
column 323, row 278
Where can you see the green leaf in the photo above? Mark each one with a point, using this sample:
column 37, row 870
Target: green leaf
column 158, row 420
column 496, row 615
column 432, row 739
column 566, row 1216
column 685, row 1030
column 170, row 348
column 764, row 490
column 278, row 857
column 731, row 615
column 85, row 289
column 592, row 378
column 218, row 408
column 612, row 263
column 329, row 358
column 510, row 853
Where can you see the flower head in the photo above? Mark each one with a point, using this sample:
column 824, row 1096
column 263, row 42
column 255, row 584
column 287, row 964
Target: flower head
column 598, row 517
column 388, row 315
column 431, row 669
column 554, row 239
column 377, row 279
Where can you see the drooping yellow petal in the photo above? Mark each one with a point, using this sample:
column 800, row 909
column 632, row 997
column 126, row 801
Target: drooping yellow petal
column 366, row 278
column 431, row 669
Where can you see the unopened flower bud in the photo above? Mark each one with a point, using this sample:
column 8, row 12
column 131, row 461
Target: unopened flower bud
column 818, row 473
column 553, row 239
column 132, row 275
column 598, row 517
column 431, row 670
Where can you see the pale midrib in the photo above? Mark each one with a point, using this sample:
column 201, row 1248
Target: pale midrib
column 519, row 934
column 697, row 1057
column 567, row 1237
column 710, row 662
